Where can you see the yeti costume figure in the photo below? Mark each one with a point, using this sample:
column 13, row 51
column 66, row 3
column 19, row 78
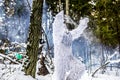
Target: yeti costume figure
column 67, row 67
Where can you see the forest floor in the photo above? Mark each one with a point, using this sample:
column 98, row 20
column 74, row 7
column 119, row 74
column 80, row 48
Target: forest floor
column 10, row 71
column 13, row 72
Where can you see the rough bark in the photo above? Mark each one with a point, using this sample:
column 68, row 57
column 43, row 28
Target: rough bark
column 42, row 70
column 34, row 37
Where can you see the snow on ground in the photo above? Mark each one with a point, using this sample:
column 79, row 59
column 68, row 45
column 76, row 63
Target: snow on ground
column 99, row 77
column 13, row 72
column 47, row 77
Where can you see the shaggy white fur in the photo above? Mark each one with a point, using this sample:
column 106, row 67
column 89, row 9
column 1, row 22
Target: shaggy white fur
column 67, row 67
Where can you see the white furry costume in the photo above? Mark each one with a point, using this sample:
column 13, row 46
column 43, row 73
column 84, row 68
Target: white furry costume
column 67, row 67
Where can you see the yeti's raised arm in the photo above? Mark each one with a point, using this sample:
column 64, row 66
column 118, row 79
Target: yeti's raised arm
column 79, row 30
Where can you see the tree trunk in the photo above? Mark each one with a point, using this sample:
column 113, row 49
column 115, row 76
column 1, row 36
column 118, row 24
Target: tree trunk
column 42, row 70
column 70, row 26
column 102, row 60
column 118, row 37
column 34, row 37
column 67, row 8
column 60, row 5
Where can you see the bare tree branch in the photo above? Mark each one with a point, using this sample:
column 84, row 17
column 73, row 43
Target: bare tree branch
column 28, row 4
column 100, row 68
column 7, row 57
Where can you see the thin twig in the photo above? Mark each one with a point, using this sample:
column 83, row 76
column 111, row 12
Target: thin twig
column 29, row 4
column 100, row 68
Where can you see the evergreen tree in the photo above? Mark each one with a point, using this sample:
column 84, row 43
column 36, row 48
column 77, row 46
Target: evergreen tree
column 106, row 17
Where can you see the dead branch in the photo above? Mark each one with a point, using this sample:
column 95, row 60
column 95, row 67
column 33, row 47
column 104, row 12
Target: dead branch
column 100, row 68
column 8, row 58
